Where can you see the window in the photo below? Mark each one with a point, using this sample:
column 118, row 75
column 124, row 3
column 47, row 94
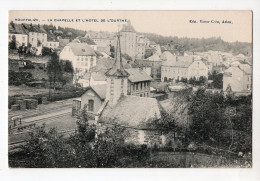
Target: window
column 112, row 87
column 23, row 38
column 136, row 88
column 10, row 37
column 42, row 40
column 32, row 39
column 81, row 58
column 78, row 58
column 122, row 85
column 141, row 84
column 91, row 61
column 91, row 105
column 50, row 44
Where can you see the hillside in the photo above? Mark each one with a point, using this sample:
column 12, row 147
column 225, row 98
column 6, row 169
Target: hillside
column 202, row 44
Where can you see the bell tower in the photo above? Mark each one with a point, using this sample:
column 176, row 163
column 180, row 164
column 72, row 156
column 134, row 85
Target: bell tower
column 117, row 78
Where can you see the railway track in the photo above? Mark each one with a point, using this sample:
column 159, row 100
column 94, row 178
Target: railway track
column 40, row 112
column 43, row 120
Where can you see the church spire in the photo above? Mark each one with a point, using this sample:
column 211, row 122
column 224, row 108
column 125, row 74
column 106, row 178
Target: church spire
column 117, row 69
column 118, row 56
column 117, row 78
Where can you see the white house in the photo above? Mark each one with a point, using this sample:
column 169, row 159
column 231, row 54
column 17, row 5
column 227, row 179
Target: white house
column 82, row 56
column 17, row 31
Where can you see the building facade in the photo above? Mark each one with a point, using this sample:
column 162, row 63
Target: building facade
column 82, row 56
column 128, row 40
column 238, row 78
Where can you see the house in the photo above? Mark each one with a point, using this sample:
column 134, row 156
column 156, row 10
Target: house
column 215, row 59
column 155, row 63
column 183, row 67
column 138, row 82
column 138, row 115
column 63, row 43
column 90, row 42
column 167, row 56
column 168, row 66
column 94, row 97
column 82, row 56
column 37, row 37
column 141, row 64
column 52, row 41
column 140, row 50
column 238, row 78
column 101, row 39
column 17, row 31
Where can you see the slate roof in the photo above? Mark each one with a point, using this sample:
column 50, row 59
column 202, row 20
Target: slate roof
column 133, row 112
column 138, row 75
column 17, row 28
column 34, row 28
column 167, row 55
column 154, row 57
column 81, row 49
column 98, row 76
column 182, row 64
column 100, row 90
column 63, row 42
column 185, row 59
column 86, row 40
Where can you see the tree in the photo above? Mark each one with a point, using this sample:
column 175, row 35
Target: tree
column 54, row 70
column 77, row 75
column 217, row 80
column 12, row 43
column 206, row 111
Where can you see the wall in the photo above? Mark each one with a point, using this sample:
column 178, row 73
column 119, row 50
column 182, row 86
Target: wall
column 140, row 91
column 128, row 43
column 117, row 91
column 233, row 76
column 197, row 69
column 90, row 95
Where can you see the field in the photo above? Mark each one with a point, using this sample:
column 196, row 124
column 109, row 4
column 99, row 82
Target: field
column 24, row 90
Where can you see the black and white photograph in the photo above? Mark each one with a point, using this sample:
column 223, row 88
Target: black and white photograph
column 130, row 89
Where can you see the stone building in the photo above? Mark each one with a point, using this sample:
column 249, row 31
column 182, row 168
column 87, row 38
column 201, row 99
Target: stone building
column 128, row 40
column 81, row 55
column 155, row 63
column 20, row 34
column 238, row 78
column 139, row 115
column 183, row 67
column 138, row 82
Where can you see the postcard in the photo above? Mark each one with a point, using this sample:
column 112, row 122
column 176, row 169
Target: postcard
column 130, row 89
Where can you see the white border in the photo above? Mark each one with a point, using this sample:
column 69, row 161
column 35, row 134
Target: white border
column 128, row 174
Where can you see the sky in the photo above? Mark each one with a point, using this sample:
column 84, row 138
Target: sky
column 192, row 24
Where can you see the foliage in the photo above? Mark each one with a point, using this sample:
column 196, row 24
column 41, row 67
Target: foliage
column 12, row 43
column 18, row 78
column 217, row 80
column 215, row 124
column 46, row 51
column 202, row 44
column 54, row 69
